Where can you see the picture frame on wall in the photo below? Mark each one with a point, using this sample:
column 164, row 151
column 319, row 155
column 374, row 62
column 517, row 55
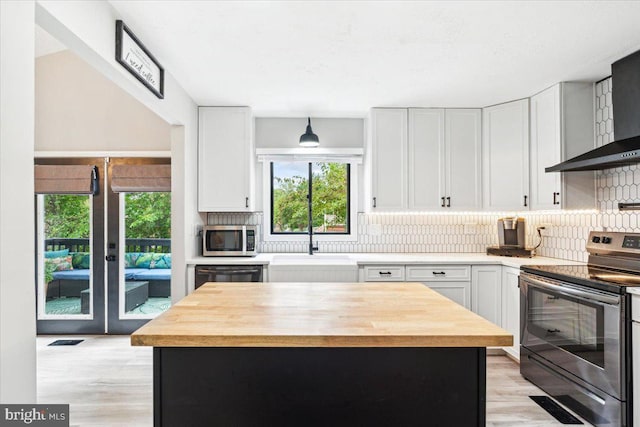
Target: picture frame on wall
column 135, row 57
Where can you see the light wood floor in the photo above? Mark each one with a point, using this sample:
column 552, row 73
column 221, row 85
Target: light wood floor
column 107, row 382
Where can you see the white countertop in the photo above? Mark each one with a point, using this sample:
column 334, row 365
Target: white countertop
column 377, row 258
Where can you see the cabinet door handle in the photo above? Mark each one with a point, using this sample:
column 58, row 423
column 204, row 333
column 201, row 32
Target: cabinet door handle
column 375, row 202
column 384, row 273
column 439, row 273
column 555, row 198
column 110, row 258
column 448, row 202
column 442, row 198
column 525, row 201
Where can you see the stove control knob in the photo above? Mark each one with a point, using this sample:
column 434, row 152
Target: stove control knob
column 606, row 240
column 595, row 239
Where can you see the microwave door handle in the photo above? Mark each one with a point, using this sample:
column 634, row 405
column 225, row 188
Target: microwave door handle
column 576, row 293
column 244, row 239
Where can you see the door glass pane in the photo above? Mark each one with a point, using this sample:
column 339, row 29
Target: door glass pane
column 145, row 279
column 64, row 256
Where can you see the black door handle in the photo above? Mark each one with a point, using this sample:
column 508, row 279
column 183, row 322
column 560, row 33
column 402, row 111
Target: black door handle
column 110, row 258
column 375, row 202
column 442, row 198
column 439, row 273
column 385, row 273
column 525, row 201
column 555, row 200
column 448, row 202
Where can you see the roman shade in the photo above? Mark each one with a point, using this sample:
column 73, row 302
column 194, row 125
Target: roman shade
column 134, row 178
column 66, row 179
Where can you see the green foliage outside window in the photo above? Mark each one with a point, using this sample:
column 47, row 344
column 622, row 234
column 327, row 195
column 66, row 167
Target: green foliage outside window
column 148, row 215
column 329, row 205
column 66, row 216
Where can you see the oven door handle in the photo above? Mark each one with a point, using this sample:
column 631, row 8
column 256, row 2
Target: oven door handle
column 577, row 293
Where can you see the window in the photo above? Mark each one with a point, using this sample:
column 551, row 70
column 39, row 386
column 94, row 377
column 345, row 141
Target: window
column 330, row 197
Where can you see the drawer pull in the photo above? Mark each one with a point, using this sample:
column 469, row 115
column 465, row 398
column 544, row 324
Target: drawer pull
column 438, row 273
column 384, row 273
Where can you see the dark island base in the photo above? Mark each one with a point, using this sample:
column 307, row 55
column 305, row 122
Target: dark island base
column 319, row 386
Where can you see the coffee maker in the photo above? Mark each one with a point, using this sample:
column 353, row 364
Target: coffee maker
column 511, row 236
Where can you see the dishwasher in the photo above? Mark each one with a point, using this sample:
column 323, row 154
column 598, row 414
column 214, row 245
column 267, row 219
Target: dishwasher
column 227, row 273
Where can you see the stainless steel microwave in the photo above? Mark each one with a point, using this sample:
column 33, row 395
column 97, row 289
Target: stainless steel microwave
column 229, row 240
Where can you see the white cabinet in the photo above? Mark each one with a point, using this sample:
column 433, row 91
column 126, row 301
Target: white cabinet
column 463, row 166
column 505, row 156
column 444, row 159
column 225, row 160
column 561, row 128
column 511, row 308
column 451, row 281
column 391, row 273
column 486, row 292
column 426, row 166
column 424, row 159
column 387, row 154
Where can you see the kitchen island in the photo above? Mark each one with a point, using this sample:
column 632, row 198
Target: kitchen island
column 319, row 354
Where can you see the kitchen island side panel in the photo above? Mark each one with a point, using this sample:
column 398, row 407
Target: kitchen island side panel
column 319, row 386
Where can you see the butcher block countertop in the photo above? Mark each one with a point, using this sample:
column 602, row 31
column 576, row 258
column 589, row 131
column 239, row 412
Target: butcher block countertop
column 394, row 314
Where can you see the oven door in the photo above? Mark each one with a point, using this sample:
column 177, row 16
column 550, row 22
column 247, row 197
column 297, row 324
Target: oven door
column 577, row 329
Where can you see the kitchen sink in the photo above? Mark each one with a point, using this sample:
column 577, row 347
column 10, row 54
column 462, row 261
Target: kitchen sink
column 315, row 259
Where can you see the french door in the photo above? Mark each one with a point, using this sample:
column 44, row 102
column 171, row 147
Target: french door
column 103, row 255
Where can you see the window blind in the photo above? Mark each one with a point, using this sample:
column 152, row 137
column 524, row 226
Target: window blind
column 140, row 178
column 66, row 179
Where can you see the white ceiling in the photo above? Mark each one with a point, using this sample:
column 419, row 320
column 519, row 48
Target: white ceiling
column 339, row 59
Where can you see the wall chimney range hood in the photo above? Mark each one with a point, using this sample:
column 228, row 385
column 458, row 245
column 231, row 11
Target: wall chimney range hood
column 625, row 150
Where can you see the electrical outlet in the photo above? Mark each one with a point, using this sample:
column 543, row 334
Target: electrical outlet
column 547, row 229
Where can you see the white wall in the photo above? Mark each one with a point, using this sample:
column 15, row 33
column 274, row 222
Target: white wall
column 332, row 132
column 17, row 291
column 88, row 29
column 78, row 109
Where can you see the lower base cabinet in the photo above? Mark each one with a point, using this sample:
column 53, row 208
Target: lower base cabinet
column 511, row 308
column 491, row 291
column 486, row 292
column 451, row 281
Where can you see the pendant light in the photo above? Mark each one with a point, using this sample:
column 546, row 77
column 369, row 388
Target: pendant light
column 309, row 139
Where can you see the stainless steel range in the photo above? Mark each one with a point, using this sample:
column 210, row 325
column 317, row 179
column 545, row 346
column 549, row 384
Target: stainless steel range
column 576, row 329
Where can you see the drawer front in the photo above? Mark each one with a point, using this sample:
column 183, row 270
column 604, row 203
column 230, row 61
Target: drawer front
column 439, row 273
column 393, row 273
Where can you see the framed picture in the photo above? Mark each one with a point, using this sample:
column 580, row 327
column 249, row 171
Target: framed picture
column 133, row 56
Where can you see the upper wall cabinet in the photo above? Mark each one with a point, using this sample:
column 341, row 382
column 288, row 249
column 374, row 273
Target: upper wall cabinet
column 444, row 159
column 225, row 160
column 561, row 128
column 425, row 159
column 387, row 153
column 505, row 156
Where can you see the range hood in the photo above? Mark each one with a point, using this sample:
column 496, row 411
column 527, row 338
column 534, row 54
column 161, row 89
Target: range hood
column 625, row 150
